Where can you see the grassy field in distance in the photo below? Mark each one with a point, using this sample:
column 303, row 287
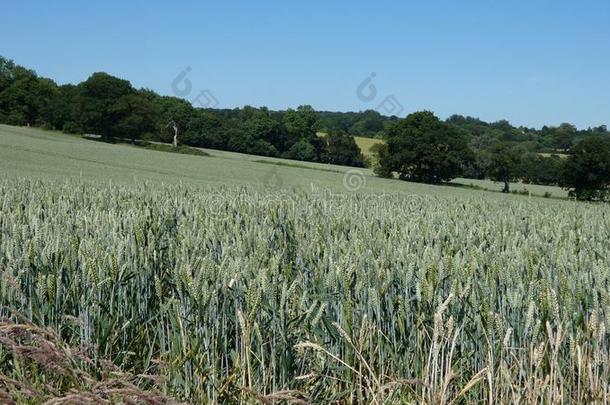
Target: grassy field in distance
column 46, row 154
column 365, row 144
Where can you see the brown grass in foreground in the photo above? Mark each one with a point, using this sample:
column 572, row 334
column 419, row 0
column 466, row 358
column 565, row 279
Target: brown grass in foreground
column 37, row 367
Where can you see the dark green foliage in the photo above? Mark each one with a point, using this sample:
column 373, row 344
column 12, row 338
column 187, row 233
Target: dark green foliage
column 96, row 99
column 134, row 115
column 7, row 68
column 302, row 150
column 204, row 130
column 382, row 166
column 422, row 148
column 341, row 149
column 564, row 137
column 505, row 162
column 548, row 139
column 536, row 169
column 62, row 110
column 587, row 171
column 23, row 95
column 368, row 123
column 301, row 139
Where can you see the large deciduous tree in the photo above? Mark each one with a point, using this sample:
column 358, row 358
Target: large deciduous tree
column 134, row 115
column 97, row 99
column 586, row 173
column 504, row 164
column 25, row 96
column 301, row 140
column 341, row 149
column 424, row 149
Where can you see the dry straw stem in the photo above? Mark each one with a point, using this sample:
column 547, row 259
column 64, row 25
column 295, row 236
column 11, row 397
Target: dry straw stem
column 287, row 396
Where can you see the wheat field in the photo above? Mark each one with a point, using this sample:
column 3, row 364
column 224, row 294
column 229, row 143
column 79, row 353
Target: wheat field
column 159, row 292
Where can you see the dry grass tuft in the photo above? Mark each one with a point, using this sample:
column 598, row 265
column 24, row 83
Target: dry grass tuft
column 38, row 367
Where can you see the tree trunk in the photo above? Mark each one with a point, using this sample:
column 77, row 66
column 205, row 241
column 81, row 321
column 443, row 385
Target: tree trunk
column 506, row 187
column 175, row 136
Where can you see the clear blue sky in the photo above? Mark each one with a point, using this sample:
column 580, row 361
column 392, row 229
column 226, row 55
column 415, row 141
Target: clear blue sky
column 532, row 62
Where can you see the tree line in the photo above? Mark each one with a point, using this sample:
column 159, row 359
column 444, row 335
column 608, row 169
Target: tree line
column 420, row 147
column 111, row 107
